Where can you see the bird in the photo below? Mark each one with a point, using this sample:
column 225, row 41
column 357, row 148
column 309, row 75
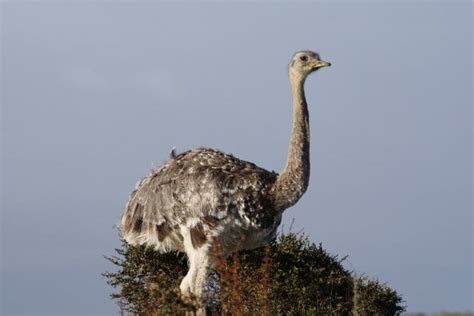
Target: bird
column 203, row 199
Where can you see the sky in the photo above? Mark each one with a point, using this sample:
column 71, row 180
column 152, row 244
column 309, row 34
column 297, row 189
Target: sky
column 95, row 93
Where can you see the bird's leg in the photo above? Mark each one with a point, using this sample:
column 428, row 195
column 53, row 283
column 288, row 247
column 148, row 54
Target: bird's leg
column 198, row 277
column 193, row 284
column 187, row 284
column 202, row 271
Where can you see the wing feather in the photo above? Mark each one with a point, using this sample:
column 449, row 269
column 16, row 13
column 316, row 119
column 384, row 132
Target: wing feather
column 202, row 184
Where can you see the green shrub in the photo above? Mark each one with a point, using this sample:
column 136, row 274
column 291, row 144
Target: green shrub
column 373, row 298
column 291, row 276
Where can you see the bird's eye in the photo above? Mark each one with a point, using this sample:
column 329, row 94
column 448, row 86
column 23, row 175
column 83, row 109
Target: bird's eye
column 304, row 58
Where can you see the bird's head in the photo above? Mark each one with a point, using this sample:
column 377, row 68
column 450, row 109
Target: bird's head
column 305, row 62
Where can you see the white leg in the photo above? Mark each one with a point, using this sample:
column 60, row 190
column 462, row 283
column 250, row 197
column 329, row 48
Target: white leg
column 195, row 280
column 187, row 284
column 202, row 271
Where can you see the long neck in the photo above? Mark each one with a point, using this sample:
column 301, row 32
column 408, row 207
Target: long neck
column 293, row 180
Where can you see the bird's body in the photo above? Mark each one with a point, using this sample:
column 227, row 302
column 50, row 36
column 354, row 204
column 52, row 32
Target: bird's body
column 206, row 194
column 209, row 204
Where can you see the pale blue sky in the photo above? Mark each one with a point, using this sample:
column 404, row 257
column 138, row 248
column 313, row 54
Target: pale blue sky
column 94, row 93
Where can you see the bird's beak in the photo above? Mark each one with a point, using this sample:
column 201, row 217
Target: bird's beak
column 321, row 64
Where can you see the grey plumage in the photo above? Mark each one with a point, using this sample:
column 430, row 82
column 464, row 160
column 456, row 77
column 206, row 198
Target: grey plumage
column 199, row 186
column 204, row 200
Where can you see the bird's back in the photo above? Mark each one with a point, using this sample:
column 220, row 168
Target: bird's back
column 199, row 188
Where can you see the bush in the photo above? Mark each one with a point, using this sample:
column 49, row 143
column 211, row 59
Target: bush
column 290, row 276
column 373, row 298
